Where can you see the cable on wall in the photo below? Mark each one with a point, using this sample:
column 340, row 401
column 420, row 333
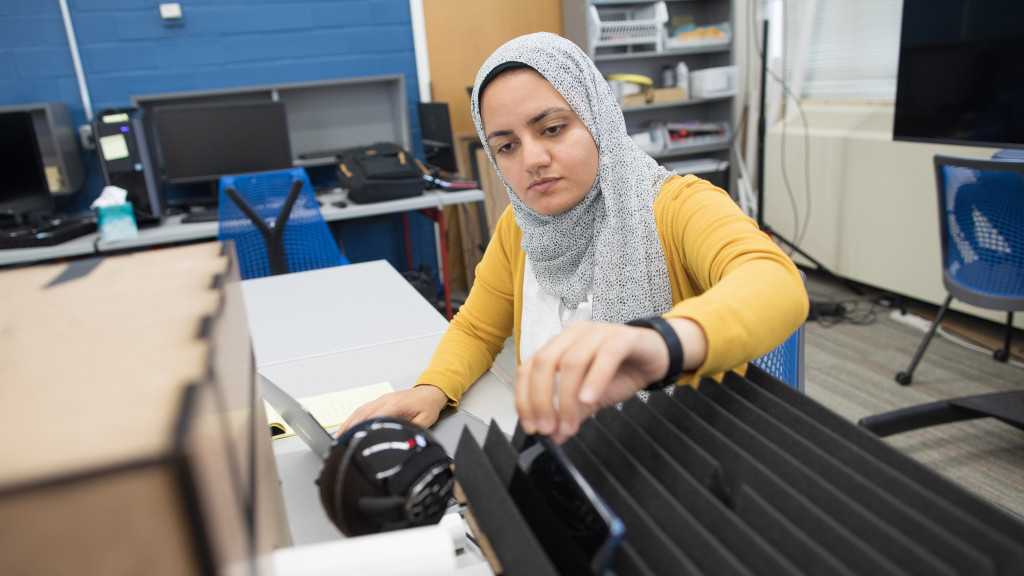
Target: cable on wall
column 420, row 49
column 799, row 225
column 76, row 58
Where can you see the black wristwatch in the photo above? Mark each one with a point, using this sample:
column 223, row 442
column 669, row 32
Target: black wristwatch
column 675, row 348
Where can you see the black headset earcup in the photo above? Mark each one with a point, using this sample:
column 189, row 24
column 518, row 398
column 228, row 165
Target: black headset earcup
column 428, row 482
column 330, row 487
column 385, row 474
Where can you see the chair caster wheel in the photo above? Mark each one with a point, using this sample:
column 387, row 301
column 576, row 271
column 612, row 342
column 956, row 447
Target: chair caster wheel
column 903, row 378
column 1001, row 355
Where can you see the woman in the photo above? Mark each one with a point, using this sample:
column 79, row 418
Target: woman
column 597, row 234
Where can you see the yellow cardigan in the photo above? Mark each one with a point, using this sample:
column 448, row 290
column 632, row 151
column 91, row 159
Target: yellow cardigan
column 758, row 301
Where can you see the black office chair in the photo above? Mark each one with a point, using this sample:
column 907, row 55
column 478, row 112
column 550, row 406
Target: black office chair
column 981, row 224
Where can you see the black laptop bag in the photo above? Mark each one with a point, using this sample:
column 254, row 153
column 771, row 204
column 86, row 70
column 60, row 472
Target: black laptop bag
column 379, row 172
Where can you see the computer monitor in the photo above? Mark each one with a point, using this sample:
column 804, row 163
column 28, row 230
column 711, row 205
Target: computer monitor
column 436, row 131
column 961, row 75
column 197, row 143
column 24, row 190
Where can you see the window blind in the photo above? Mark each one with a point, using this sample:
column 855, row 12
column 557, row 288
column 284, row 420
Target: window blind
column 852, row 48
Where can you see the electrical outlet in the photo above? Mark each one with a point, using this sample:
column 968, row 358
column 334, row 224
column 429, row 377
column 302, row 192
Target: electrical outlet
column 85, row 137
column 170, row 11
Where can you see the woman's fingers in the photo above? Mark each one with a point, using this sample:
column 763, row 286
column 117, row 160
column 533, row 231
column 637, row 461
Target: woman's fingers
column 586, row 367
column 421, row 405
column 535, row 386
column 364, row 412
column 592, row 356
column 557, row 371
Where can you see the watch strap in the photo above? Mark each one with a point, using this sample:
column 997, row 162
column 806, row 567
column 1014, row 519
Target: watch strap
column 675, row 348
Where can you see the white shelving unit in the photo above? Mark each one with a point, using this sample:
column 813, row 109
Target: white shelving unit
column 637, row 37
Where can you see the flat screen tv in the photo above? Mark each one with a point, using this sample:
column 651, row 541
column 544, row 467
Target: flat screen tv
column 961, row 73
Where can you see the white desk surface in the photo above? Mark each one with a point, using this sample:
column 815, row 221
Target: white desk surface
column 352, row 326
column 317, row 312
column 172, row 230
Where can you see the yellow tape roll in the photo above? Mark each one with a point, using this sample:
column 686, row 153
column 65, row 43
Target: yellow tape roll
column 634, row 78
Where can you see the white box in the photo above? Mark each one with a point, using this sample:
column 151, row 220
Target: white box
column 713, row 82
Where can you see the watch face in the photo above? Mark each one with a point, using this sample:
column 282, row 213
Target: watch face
column 385, row 474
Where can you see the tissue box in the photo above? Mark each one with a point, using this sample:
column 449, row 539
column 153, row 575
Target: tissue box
column 116, row 222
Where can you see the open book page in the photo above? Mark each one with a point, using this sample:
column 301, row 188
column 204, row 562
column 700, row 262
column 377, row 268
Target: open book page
column 331, row 409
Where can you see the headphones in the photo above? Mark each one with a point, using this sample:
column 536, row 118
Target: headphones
column 385, row 474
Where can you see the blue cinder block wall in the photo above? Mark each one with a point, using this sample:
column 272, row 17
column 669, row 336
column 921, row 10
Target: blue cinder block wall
column 127, row 49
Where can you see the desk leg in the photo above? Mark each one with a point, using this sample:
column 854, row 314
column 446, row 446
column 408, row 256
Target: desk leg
column 438, row 216
column 481, row 212
column 408, row 243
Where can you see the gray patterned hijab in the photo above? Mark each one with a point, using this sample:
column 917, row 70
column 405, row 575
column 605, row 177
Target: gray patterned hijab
column 609, row 239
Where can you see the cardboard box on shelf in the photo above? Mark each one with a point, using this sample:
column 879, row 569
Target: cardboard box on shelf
column 661, row 95
column 633, row 100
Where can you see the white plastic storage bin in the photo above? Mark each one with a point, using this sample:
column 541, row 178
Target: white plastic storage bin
column 712, row 82
column 699, row 166
column 619, row 26
column 680, row 136
column 651, row 141
column 698, row 36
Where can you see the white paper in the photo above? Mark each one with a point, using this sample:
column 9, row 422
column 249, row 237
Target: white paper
column 114, row 147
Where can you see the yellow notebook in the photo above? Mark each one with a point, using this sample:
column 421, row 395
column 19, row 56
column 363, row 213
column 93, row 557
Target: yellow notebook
column 330, row 410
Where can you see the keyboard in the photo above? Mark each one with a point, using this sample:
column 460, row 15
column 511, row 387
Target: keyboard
column 321, row 154
column 200, row 216
column 50, row 236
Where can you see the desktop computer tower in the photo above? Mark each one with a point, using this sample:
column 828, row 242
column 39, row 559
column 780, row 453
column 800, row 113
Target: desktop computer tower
column 125, row 162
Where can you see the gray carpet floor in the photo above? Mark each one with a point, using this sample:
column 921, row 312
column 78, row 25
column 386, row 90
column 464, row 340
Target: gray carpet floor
column 850, row 367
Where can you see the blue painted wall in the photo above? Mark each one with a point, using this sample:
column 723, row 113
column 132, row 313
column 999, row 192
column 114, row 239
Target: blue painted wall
column 127, row 49
column 35, row 62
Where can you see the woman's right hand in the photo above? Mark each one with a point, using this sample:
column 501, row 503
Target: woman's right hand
column 421, row 405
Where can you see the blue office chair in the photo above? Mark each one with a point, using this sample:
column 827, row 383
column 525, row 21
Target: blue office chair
column 981, row 229
column 787, row 361
column 275, row 223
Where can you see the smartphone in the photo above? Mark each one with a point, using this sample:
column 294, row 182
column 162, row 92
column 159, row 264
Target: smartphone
column 581, row 518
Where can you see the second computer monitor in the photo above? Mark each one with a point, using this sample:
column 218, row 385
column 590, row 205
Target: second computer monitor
column 436, row 130
column 203, row 142
column 24, row 192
